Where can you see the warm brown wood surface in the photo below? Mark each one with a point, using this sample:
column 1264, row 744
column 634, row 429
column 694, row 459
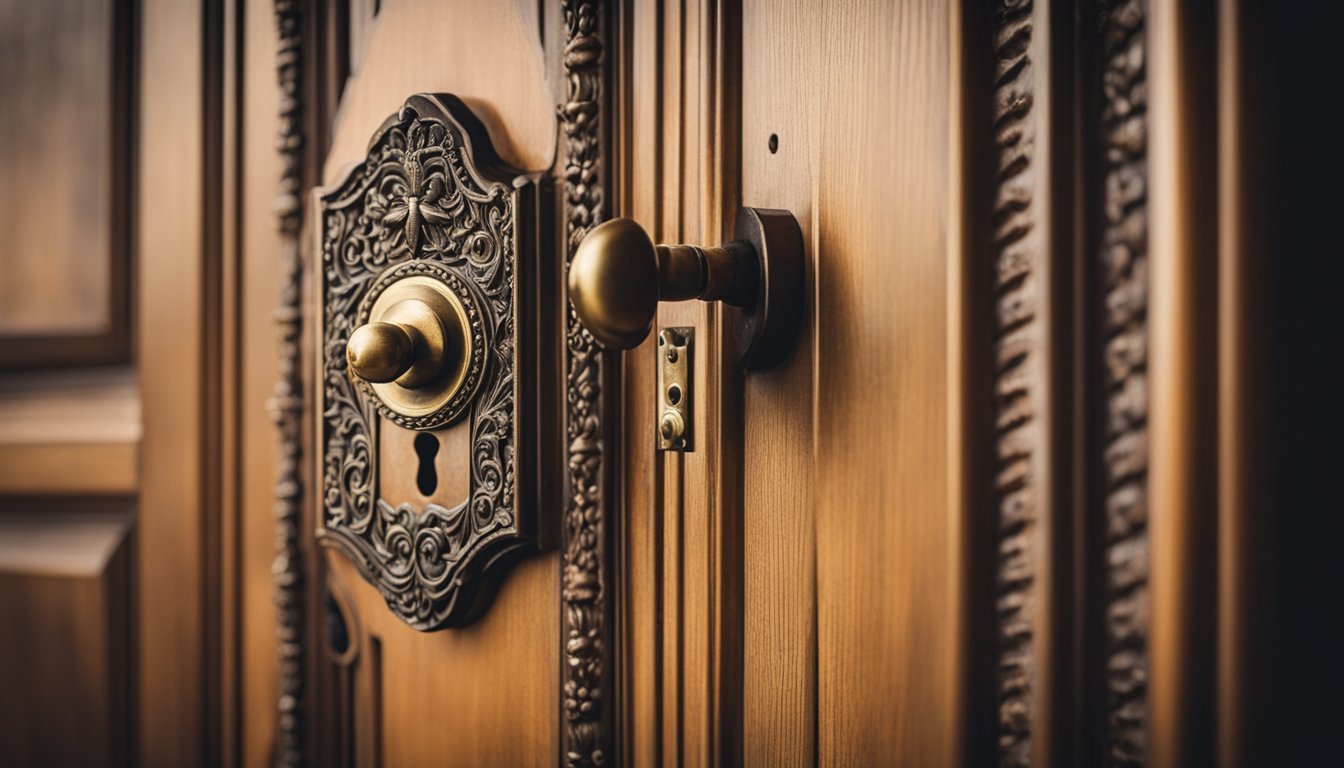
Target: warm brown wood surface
column 779, row 547
column 172, row 326
column 66, row 202
column 483, row 695
column 816, row 503
column 70, row 433
column 858, row 96
column 64, row 603
column 56, row 158
column 494, row 63
column 260, row 295
column 680, row 511
column 445, row 697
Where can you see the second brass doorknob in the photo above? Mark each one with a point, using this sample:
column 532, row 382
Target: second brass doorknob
column 618, row 276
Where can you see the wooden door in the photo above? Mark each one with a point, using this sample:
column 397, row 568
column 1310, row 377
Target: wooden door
column 397, row 689
column 793, row 582
column 941, row 530
column 1047, row 476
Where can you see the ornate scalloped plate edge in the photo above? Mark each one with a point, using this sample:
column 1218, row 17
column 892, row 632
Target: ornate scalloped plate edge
column 431, row 197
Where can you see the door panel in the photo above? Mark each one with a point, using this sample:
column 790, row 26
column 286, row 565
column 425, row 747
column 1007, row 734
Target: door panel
column 65, row 597
column 862, row 156
column 923, row 538
column 808, row 545
column 401, row 696
column 431, row 698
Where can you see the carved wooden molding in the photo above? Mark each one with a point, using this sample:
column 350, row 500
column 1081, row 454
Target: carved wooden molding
column 1123, row 298
column 1018, row 348
column 287, row 404
column 586, row 619
column 432, row 198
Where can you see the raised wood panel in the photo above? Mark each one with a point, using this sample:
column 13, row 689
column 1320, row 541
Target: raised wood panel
column 65, row 102
column 416, row 698
column 70, row 433
column 497, row 68
column 858, row 95
column 779, row 548
column 680, row 512
column 64, row 654
column 485, row 694
column 178, row 288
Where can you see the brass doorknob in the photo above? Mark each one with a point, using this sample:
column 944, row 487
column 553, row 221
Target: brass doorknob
column 415, row 348
column 618, row 276
column 409, row 353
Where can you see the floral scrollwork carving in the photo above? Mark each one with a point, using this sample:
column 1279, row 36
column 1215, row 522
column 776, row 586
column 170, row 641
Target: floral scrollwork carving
column 431, row 198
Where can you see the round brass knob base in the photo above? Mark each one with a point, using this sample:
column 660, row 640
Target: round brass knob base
column 416, row 347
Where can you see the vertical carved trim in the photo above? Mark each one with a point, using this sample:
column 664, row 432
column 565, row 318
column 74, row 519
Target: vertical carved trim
column 1123, row 304
column 286, row 406
column 1018, row 341
column 585, row 621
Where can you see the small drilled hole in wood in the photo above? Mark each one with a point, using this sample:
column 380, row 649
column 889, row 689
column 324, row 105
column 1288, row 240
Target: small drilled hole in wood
column 774, row 143
column 427, row 478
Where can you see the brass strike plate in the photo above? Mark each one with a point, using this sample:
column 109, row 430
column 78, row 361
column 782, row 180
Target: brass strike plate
column 674, row 427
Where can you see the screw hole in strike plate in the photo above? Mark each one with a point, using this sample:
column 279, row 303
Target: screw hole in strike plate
column 674, row 394
column 774, row 143
column 427, row 478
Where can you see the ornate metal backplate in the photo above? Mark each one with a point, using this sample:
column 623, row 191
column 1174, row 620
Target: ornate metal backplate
column 432, row 198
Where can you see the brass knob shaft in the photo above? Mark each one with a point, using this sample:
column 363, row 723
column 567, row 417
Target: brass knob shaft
column 618, row 276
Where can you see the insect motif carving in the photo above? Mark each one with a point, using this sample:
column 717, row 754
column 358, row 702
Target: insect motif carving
column 424, row 184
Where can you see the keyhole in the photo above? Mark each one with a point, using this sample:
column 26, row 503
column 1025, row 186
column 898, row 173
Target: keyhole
column 426, row 447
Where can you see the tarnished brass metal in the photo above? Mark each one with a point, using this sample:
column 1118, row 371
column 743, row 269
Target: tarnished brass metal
column 618, row 276
column 415, row 348
column 673, row 430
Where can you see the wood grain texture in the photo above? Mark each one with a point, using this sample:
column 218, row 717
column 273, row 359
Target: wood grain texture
column 172, row 326
column 851, row 526
column 70, row 433
column 56, row 260
column 64, row 654
column 682, row 543
column 65, row 201
column 443, row 697
column 481, row 695
column 637, row 176
column 885, row 613
column 497, row 69
column 779, row 533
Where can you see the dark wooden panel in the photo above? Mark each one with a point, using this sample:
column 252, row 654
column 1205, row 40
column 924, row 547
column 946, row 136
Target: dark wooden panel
column 65, row 101
column 64, row 662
